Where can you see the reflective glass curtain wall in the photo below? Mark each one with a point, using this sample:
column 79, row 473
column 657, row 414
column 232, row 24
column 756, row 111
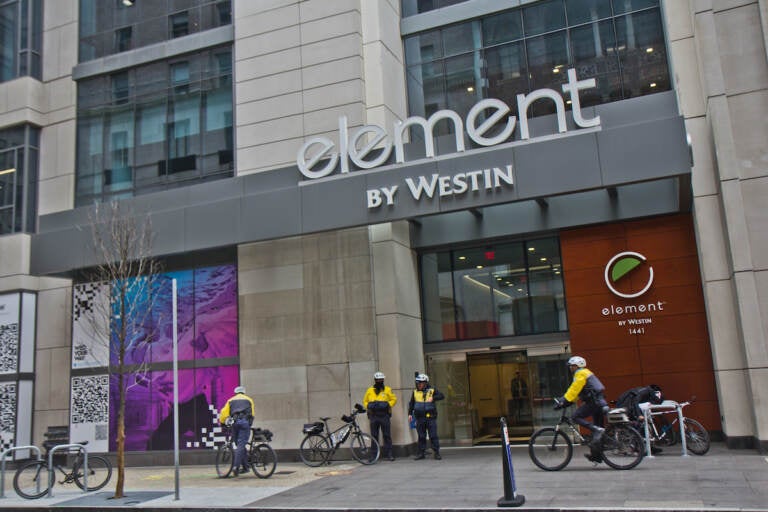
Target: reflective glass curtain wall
column 21, row 40
column 109, row 26
column 155, row 126
column 620, row 43
column 506, row 289
column 19, row 147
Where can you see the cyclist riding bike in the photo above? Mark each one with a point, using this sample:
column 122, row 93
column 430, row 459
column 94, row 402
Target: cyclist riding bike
column 587, row 387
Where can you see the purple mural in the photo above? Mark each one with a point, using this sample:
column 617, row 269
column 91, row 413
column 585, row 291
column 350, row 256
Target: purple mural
column 149, row 407
column 206, row 317
column 207, row 329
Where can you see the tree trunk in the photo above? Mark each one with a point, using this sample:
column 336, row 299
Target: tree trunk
column 120, row 486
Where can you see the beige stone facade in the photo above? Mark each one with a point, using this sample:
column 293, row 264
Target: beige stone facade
column 318, row 314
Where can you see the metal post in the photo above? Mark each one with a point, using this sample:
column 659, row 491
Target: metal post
column 175, row 399
column 647, row 417
column 511, row 498
column 681, row 419
column 2, row 463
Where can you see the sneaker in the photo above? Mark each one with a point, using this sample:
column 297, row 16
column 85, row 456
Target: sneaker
column 391, row 458
column 438, row 456
column 419, row 456
column 655, row 450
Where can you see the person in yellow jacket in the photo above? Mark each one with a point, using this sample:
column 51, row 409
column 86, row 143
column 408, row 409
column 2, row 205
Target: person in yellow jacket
column 587, row 387
column 378, row 401
column 423, row 409
column 240, row 408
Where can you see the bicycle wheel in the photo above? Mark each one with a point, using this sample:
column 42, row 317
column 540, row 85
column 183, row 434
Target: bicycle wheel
column 696, row 437
column 314, row 450
column 31, row 480
column 263, row 460
column 365, row 449
column 667, row 434
column 225, row 458
column 550, row 449
column 622, row 447
column 99, row 473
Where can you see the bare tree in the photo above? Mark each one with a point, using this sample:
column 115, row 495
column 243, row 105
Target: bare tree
column 131, row 279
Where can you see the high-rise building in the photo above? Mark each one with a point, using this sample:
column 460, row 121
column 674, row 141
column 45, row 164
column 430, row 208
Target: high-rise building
column 475, row 189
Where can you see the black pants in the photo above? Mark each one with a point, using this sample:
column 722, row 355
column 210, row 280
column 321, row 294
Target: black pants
column 593, row 409
column 426, row 426
column 382, row 422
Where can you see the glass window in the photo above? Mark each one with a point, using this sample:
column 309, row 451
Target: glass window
column 155, row 126
column 123, row 39
column 584, row 11
column 532, row 47
column 150, row 22
column 21, row 29
column 18, row 179
column 461, row 38
column 506, row 289
column 624, row 6
column 543, row 17
column 507, row 26
column 179, row 24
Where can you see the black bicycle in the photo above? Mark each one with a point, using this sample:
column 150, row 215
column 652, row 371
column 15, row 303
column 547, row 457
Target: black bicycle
column 551, row 448
column 320, row 443
column 261, row 457
column 664, row 432
column 31, row 479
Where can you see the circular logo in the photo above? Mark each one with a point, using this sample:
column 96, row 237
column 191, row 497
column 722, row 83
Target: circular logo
column 620, row 266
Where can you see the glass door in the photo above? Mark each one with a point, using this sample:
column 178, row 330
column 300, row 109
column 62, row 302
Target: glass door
column 499, row 387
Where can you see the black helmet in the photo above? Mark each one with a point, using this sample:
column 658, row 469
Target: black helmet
column 655, row 396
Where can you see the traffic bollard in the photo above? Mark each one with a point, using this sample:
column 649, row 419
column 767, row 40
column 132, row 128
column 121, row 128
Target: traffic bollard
column 510, row 498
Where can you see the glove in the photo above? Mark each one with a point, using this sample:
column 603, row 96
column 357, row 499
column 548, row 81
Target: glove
column 561, row 403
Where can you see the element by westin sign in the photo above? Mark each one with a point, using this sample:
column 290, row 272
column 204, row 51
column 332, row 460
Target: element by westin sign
column 358, row 146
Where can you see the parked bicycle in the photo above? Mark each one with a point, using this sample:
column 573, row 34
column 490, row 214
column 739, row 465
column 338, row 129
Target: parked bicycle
column 551, row 448
column 261, row 457
column 320, row 443
column 31, row 479
column 664, row 432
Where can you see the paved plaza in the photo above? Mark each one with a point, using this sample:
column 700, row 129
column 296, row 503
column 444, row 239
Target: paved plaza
column 466, row 479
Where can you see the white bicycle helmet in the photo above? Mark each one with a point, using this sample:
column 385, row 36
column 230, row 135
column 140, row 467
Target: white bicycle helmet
column 240, row 389
column 422, row 377
column 578, row 361
column 378, row 376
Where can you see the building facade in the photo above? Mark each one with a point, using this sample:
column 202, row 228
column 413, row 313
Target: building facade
column 474, row 189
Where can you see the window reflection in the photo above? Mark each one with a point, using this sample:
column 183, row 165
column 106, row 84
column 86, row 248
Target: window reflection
column 501, row 290
column 620, row 44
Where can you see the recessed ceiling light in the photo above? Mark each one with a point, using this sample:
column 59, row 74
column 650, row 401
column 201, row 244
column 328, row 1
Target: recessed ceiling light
column 470, row 89
column 531, row 249
column 462, row 257
column 653, row 84
column 479, row 266
column 649, row 50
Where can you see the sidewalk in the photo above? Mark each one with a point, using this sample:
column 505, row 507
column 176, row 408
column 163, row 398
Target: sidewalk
column 466, row 479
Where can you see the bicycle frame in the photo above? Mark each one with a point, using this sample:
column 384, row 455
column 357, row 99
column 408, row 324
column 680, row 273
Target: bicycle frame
column 339, row 436
column 666, row 407
column 572, row 428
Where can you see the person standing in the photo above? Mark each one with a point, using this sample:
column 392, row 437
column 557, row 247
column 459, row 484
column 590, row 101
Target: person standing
column 519, row 389
column 587, row 387
column 379, row 401
column 240, row 408
column 422, row 407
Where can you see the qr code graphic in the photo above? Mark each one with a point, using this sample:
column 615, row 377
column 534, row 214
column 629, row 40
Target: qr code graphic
column 90, row 399
column 9, row 347
column 213, row 435
column 7, row 413
column 83, row 299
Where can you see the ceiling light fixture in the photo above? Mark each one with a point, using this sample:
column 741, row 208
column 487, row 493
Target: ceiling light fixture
column 128, row 3
column 8, row 171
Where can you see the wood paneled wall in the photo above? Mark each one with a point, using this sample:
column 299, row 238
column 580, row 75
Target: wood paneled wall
column 674, row 350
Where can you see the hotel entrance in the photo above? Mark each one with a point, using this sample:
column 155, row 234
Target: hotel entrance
column 483, row 387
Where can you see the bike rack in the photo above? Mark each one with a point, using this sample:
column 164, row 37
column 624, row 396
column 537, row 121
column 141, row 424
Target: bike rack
column 665, row 406
column 51, row 469
column 2, row 463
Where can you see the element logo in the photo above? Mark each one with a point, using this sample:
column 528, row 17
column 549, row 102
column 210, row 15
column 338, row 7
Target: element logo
column 620, row 266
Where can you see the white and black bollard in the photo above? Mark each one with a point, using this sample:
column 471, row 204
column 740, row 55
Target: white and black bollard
column 510, row 498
